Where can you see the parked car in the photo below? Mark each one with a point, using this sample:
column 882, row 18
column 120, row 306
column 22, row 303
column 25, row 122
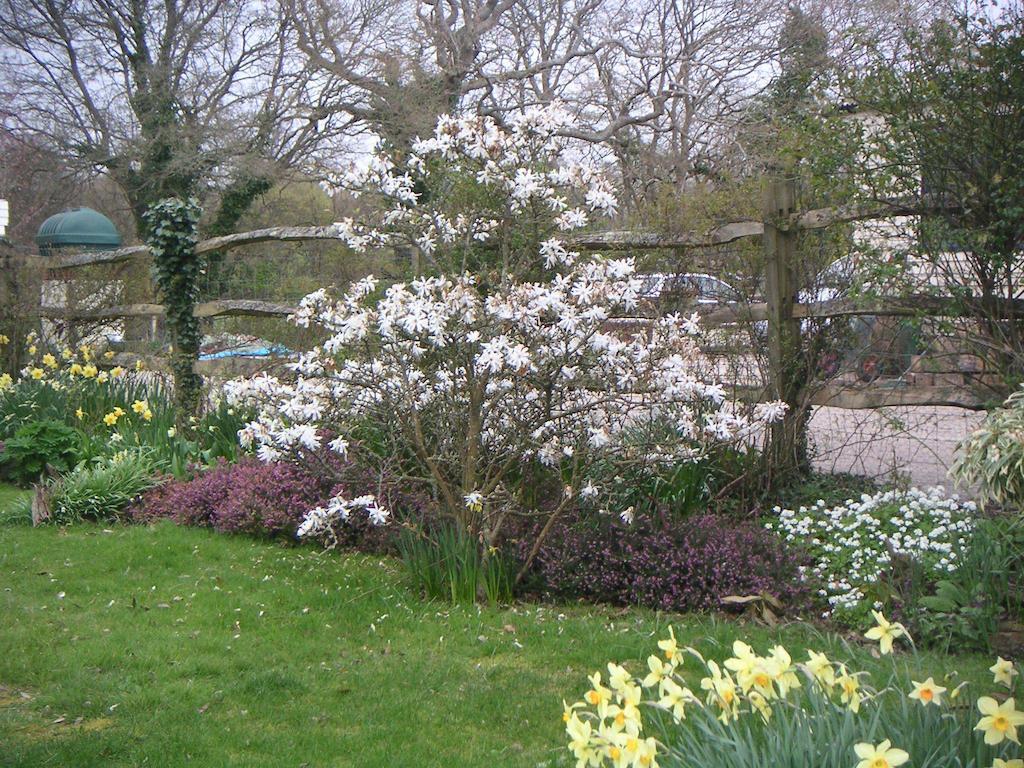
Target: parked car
column 869, row 345
column 696, row 287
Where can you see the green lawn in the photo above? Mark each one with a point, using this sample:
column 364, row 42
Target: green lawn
column 166, row 646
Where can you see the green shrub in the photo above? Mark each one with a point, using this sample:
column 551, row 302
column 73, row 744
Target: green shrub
column 643, row 479
column 37, row 445
column 103, row 489
column 969, row 604
column 992, row 458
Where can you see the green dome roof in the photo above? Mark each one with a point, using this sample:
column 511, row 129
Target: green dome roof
column 78, row 227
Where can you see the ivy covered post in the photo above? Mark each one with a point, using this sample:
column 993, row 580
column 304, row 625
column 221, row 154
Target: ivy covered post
column 173, row 233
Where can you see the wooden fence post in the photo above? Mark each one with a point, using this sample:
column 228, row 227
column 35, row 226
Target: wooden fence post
column 20, row 298
column 787, row 446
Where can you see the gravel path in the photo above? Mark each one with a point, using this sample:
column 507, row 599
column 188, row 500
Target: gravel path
column 917, row 443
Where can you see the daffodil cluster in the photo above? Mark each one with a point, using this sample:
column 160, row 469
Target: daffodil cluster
column 653, row 718
column 605, row 728
column 853, row 544
column 58, row 368
column 90, row 386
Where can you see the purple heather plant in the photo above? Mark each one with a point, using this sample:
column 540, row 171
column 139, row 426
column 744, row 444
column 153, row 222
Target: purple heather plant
column 271, row 499
column 668, row 564
column 247, row 497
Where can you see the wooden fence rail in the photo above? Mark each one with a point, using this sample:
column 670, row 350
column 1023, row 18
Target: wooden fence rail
column 724, row 313
column 782, row 312
column 620, row 240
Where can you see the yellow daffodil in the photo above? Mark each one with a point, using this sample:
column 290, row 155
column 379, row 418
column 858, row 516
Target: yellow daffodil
column 597, row 695
column 139, row 365
column 147, row 415
column 885, row 632
column 674, row 698
column 581, row 742
column 4, row 339
column 783, row 672
column 721, row 690
column 119, row 411
column 89, row 371
column 33, row 349
column 568, row 711
column 927, row 692
column 760, row 703
column 5, row 381
column 668, row 647
column 49, row 360
column 1000, row 721
column 647, row 754
column 849, row 689
column 117, row 371
column 79, row 413
column 37, row 373
column 139, row 406
column 66, row 353
column 880, row 756
column 75, row 369
column 622, row 720
column 86, row 351
column 108, row 355
column 659, row 670
column 1003, row 672
column 821, row 669
column 1000, row 763
column 110, row 419
column 102, row 377
column 613, row 743
column 743, row 663
column 619, row 678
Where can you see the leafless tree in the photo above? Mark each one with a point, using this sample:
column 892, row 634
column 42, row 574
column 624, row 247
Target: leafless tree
column 176, row 97
column 35, row 181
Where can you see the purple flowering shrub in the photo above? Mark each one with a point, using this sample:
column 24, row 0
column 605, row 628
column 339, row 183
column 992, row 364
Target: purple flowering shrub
column 665, row 563
column 247, row 497
column 271, row 500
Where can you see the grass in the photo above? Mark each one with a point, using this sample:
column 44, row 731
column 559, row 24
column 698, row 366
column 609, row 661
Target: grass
column 165, row 646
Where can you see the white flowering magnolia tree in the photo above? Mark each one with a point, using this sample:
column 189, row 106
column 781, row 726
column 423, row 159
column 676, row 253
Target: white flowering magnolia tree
column 477, row 197
column 476, row 389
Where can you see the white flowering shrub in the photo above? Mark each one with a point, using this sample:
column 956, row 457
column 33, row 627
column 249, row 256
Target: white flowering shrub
column 480, row 389
column 478, row 197
column 471, row 391
column 853, row 545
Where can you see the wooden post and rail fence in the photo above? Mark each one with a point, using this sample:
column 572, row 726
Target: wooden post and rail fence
column 778, row 228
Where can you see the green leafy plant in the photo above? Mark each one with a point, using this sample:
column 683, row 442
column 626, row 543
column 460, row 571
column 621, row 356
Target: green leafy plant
column 992, row 458
column 36, row 446
column 641, row 479
column 103, row 489
column 446, row 564
column 965, row 609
